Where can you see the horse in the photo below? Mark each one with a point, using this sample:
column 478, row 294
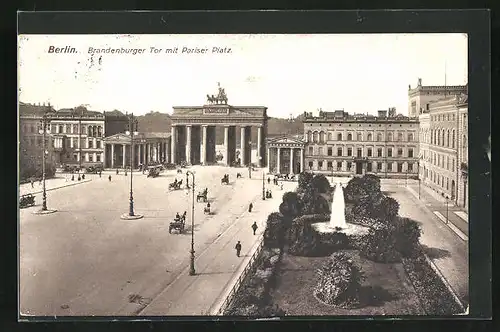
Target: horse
column 225, row 179
column 238, row 175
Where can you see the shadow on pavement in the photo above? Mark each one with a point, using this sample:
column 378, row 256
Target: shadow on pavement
column 375, row 296
column 435, row 253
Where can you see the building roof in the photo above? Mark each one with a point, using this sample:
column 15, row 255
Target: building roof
column 155, row 135
column 32, row 109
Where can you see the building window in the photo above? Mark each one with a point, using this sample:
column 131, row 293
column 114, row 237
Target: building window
column 369, row 167
column 442, row 137
column 389, row 167
column 330, row 136
column 379, row 137
column 400, row 152
column 349, row 137
column 453, row 138
column 410, row 153
column 360, row 153
column 339, row 152
column 309, row 136
column 410, row 168
column 339, row 165
column 389, row 137
column 99, row 144
column 75, row 156
column 369, row 152
column 68, row 128
column 322, row 137
column 91, row 158
column 379, row 166
column 311, row 151
column 349, row 152
column 310, row 165
column 330, row 151
column 98, row 158
column 75, row 129
column 320, row 151
column 91, row 143
column 315, row 137
column 369, row 137
column 53, row 141
column 349, row 165
column 389, row 152
column 339, row 137
column 320, row 165
column 410, row 137
column 379, row 152
column 360, row 137
column 329, row 166
column 400, row 137
column 400, row 167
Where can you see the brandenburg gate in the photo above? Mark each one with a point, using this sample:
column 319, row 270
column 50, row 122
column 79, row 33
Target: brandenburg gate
column 194, row 132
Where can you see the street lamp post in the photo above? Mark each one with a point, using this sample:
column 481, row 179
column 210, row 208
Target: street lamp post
column 192, row 271
column 249, row 171
column 446, row 208
column 263, row 186
column 132, row 126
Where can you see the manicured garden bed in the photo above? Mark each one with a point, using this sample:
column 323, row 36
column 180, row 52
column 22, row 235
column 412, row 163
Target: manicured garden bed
column 385, row 291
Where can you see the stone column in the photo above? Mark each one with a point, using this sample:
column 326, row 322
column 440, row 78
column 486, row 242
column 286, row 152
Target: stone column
column 226, row 145
column 259, row 147
column 278, row 160
column 172, row 145
column 188, row 144
column 124, row 148
column 95, row 157
column 291, row 161
column 112, row 155
column 139, row 151
column 243, row 145
column 158, row 152
column 268, row 160
column 103, row 155
column 301, row 160
column 203, row 147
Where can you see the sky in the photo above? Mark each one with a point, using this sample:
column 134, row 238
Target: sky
column 289, row 74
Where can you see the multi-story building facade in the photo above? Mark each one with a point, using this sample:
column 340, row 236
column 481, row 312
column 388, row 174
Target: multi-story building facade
column 342, row 144
column 80, row 134
column 443, row 147
column 420, row 97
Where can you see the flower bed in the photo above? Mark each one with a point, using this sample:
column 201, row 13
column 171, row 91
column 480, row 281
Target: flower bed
column 252, row 298
column 433, row 293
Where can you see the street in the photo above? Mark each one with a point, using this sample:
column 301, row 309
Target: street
column 85, row 260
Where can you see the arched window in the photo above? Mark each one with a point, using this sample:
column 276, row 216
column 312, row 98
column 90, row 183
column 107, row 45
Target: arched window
column 448, row 138
column 75, row 129
column 410, row 137
column 442, row 137
column 309, row 136
column 453, row 138
column 61, row 129
column 349, row 137
column 379, row 137
column 99, row 131
column 439, row 137
column 389, row 137
column 400, row 137
column 315, row 137
column 360, row 137
column 68, row 128
column 369, row 137
column 89, row 131
column 83, row 129
column 339, row 137
column 330, row 136
column 322, row 137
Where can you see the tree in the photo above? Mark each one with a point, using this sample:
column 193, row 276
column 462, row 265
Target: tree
column 314, row 203
column 291, row 206
column 321, row 184
column 305, row 179
column 387, row 210
column 274, row 233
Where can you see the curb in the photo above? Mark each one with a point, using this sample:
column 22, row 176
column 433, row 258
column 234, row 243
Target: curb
column 445, row 282
column 68, row 185
column 450, row 225
column 215, row 309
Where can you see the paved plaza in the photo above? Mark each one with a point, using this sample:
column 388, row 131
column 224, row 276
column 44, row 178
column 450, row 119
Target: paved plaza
column 85, row 260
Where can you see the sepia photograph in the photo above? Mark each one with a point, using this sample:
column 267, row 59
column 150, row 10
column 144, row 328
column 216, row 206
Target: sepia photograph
column 255, row 175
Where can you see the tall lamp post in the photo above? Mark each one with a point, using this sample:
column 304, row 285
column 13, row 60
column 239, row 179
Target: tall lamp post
column 44, row 131
column 446, row 208
column 192, row 271
column 132, row 131
column 263, row 186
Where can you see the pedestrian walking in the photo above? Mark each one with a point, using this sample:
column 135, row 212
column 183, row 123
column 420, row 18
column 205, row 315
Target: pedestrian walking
column 100, row 173
column 254, row 227
column 117, row 171
column 281, row 186
column 73, row 177
column 238, row 248
column 250, row 207
column 79, row 177
column 109, row 178
column 83, row 176
column 268, row 180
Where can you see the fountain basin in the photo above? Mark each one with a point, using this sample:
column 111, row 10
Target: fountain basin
column 350, row 229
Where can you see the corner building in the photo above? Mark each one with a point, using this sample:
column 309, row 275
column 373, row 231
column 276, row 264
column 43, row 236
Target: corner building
column 337, row 143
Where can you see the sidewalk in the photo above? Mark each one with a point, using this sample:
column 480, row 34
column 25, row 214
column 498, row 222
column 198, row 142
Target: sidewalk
column 50, row 184
column 217, row 268
column 454, row 217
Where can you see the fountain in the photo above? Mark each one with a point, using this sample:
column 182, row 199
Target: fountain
column 337, row 221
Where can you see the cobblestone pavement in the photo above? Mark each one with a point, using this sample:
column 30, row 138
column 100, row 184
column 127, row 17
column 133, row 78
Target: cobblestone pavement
column 448, row 251
column 85, row 260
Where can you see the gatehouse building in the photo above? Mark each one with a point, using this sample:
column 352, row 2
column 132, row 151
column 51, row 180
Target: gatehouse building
column 193, row 132
column 285, row 155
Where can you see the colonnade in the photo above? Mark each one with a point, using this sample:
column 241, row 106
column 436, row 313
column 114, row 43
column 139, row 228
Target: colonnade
column 196, row 144
column 144, row 153
column 285, row 160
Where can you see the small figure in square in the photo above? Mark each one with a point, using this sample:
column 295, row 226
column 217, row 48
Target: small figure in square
column 254, row 227
column 238, row 248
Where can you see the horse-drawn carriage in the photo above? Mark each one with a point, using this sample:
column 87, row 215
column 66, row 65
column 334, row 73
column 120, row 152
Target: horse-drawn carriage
column 153, row 171
column 176, row 185
column 178, row 223
column 26, row 200
column 202, row 195
column 285, row 177
column 206, row 209
column 225, row 179
column 94, row 169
